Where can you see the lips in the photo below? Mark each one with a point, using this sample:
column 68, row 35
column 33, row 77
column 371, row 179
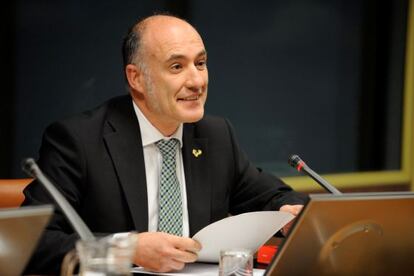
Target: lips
column 190, row 98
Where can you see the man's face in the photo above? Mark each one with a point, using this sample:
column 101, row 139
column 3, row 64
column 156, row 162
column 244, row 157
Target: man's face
column 176, row 76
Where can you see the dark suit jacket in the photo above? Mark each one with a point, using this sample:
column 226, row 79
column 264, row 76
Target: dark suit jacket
column 96, row 160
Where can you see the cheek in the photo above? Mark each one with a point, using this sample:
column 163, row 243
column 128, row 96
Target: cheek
column 171, row 86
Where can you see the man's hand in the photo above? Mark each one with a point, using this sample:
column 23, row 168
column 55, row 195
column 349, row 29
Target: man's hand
column 162, row 252
column 294, row 210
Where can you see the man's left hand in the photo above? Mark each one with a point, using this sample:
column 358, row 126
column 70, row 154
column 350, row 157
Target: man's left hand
column 294, row 210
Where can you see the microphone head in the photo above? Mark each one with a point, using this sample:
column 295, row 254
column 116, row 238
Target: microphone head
column 28, row 165
column 294, row 160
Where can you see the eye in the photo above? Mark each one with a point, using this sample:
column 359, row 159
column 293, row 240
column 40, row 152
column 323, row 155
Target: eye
column 202, row 64
column 176, row 67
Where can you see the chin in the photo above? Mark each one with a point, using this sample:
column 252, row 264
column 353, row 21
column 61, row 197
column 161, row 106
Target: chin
column 193, row 117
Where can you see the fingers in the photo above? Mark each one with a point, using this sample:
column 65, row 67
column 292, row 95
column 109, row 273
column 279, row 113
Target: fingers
column 185, row 244
column 286, row 229
column 185, row 249
column 174, row 265
column 293, row 209
column 161, row 252
column 184, row 256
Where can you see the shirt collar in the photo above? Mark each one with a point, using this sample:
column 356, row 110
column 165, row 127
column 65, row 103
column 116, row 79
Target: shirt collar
column 150, row 134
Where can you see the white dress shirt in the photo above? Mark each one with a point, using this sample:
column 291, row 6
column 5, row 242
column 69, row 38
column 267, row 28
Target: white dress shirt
column 153, row 162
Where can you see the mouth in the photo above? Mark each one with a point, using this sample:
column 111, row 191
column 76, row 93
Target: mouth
column 190, row 98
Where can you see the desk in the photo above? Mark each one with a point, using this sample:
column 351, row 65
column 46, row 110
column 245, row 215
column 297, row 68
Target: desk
column 196, row 269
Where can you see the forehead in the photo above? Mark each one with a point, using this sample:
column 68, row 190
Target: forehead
column 172, row 37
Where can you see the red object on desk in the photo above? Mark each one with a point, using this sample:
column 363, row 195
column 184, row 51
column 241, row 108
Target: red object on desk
column 266, row 253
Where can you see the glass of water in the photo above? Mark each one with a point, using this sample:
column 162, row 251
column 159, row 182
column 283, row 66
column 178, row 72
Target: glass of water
column 236, row 262
column 111, row 255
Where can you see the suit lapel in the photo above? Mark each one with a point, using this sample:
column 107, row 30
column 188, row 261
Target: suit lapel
column 198, row 186
column 125, row 147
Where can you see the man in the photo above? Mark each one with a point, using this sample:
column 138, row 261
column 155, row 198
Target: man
column 109, row 162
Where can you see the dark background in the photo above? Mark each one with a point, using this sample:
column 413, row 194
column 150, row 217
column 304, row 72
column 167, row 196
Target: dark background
column 322, row 79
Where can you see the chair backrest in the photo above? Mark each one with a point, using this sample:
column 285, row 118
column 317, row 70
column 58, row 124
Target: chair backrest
column 11, row 192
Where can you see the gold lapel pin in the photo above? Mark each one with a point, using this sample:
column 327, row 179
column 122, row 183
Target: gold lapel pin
column 197, row 152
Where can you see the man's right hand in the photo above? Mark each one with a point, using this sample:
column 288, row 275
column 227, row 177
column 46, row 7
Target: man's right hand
column 162, row 252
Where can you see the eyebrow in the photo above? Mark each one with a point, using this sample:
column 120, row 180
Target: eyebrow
column 180, row 56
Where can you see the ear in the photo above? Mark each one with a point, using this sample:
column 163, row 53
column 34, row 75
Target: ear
column 135, row 77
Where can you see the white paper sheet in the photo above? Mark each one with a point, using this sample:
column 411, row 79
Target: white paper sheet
column 196, row 269
column 247, row 231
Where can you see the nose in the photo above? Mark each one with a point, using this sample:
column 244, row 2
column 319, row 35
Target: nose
column 196, row 79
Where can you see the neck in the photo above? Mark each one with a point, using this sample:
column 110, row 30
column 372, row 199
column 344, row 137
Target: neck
column 165, row 126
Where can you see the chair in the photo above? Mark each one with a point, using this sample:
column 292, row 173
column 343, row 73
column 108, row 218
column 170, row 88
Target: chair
column 11, row 192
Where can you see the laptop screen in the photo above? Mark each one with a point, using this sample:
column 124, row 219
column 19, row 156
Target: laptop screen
column 20, row 229
column 350, row 234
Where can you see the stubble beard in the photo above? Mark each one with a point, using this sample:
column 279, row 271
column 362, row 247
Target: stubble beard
column 152, row 99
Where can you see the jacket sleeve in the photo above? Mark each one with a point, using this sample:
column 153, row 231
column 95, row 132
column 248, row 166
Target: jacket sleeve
column 61, row 160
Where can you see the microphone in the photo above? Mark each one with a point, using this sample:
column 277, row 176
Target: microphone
column 31, row 168
column 296, row 162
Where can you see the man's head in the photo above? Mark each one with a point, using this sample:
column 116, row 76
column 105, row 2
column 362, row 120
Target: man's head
column 165, row 66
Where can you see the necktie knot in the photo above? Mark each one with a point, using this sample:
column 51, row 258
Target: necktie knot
column 168, row 148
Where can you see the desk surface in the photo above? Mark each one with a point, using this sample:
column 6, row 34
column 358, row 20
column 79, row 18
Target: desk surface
column 195, row 269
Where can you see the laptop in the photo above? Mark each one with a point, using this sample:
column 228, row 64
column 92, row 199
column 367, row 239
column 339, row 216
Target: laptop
column 350, row 234
column 20, row 229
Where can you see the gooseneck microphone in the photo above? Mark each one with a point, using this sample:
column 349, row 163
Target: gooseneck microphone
column 32, row 169
column 296, row 162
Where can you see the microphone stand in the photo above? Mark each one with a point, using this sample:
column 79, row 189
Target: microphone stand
column 296, row 162
column 32, row 169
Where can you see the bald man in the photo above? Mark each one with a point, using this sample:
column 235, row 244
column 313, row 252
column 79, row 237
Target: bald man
column 108, row 162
